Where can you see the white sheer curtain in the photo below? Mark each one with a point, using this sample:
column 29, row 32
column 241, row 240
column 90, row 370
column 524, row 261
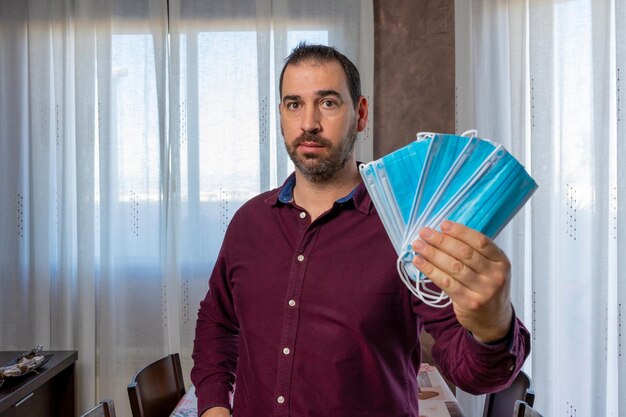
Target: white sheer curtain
column 547, row 79
column 130, row 132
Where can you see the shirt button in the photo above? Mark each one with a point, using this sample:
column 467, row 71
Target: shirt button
column 292, row 303
column 280, row 399
column 286, row 351
column 301, row 258
column 302, row 215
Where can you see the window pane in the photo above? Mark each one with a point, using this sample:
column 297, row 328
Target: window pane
column 228, row 114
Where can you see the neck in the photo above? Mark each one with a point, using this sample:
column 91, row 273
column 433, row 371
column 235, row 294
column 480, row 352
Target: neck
column 317, row 198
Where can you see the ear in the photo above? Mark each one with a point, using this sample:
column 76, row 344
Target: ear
column 362, row 114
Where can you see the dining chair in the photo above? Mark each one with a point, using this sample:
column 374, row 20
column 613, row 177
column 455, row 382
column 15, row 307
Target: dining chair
column 156, row 389
column 522, row 409
column 103, row 409
column 502, row 403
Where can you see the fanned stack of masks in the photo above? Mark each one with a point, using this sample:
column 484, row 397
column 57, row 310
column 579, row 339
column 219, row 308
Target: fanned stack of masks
column 465, row 179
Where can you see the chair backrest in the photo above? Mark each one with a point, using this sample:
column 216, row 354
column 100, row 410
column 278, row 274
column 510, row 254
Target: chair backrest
column 156, row 389
column 502, row 403
column 522, row 409
column 103, row 409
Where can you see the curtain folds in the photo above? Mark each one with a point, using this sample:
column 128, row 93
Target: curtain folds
column 545, row 78
column 132, row 130
column 618, row 371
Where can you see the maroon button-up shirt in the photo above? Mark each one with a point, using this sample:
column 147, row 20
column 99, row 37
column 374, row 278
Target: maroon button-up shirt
column 313, row 319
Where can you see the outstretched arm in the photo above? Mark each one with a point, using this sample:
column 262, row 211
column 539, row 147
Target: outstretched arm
column 474, row 272
column 479, row 345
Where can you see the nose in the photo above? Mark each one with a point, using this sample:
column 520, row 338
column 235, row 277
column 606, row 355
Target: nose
column 311, row 120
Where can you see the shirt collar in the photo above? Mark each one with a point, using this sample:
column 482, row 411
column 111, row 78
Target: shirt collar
column 358, row 195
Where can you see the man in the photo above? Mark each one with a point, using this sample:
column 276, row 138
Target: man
column 305, row 305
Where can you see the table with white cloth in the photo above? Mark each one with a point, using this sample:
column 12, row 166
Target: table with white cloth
column 435, row 397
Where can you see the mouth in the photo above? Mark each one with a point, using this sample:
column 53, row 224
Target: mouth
column 310, row 147
column 312, row 144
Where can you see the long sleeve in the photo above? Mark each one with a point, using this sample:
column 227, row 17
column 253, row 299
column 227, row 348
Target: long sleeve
column 475, row 367
column 215, row 350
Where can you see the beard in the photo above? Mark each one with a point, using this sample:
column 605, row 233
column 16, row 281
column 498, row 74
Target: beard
column 318, row 168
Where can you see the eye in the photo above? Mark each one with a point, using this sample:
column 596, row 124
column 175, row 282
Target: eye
column 329, row 104
column 293, row 105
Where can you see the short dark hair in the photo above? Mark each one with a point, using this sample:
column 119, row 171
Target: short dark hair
column 323, row 54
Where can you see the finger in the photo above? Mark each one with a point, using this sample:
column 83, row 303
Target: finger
column 455, row 254
column 474, row 239
column 465, row 298
column 458, row 293
column 446, row 263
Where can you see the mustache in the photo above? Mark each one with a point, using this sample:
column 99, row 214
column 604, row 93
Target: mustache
column 312, row 137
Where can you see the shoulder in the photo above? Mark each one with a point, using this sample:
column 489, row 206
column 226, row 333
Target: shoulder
column 253, row 220
column 261, row 202
column 254, row 209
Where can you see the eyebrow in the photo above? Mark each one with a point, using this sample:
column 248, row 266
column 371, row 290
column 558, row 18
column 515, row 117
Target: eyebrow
column 319, row 93
column 322, row 93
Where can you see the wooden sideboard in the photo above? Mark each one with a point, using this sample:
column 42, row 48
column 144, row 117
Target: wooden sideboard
column 49, row 392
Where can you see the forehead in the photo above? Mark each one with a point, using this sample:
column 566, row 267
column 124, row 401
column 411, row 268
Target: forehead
column 310, row 76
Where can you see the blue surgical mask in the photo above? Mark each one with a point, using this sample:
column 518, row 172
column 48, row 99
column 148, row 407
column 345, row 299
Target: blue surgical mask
column 465, row 179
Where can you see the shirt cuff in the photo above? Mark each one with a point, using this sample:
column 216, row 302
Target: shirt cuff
column 213, row 395
column 507, row 340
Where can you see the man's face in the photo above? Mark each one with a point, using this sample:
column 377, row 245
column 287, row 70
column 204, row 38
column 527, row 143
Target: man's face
column 318, row 120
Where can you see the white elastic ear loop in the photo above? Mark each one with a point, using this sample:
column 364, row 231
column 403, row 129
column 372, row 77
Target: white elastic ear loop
column 420, row 290
column 472, row 133
column 419, row 136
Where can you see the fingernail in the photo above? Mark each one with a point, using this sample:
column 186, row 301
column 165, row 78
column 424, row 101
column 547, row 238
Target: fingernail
column 426, row 232
column 418, row 246
column 418, row 260
column 446, row 226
